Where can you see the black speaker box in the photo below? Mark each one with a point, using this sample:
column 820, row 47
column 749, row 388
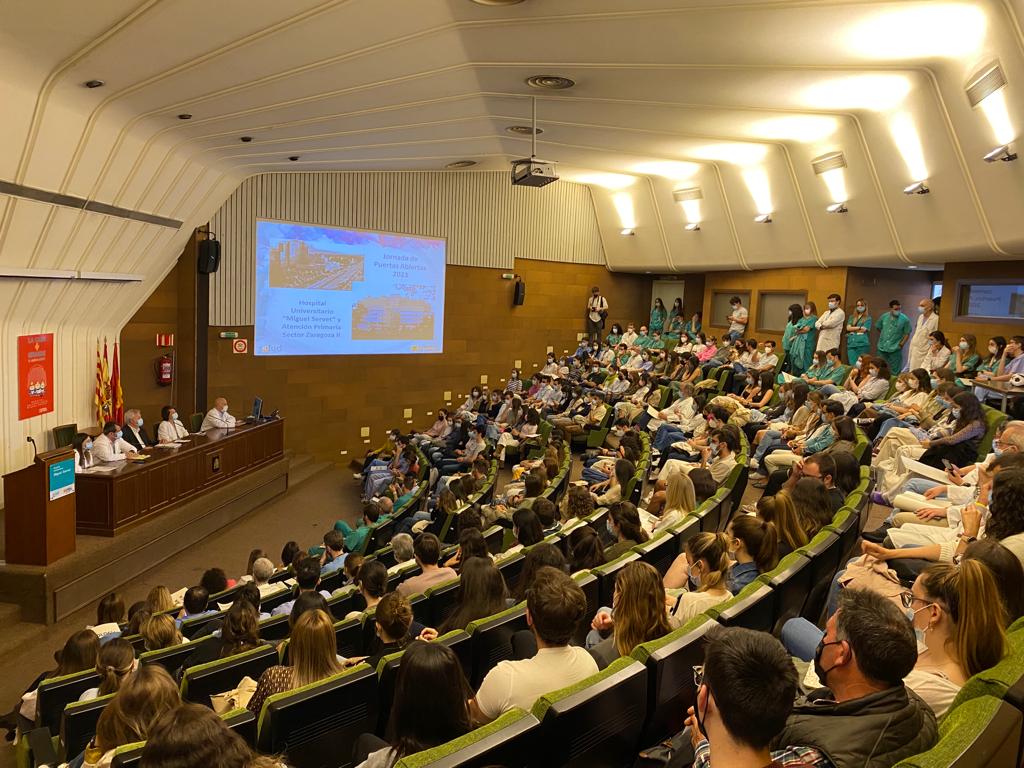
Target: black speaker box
column 519, row 297
column 209, row 256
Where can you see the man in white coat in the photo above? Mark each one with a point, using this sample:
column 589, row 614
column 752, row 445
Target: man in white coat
column 927, row 323
column 830, row 324
column 218, row 416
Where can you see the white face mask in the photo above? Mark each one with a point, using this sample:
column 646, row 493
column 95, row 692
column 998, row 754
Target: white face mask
column 807, row 311
column 963, row 345
column 860, row 307
column 992, row 349
column 767, row 350
column 832, row 305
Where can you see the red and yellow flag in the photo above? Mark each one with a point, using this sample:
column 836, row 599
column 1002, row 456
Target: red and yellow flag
column 116, row 396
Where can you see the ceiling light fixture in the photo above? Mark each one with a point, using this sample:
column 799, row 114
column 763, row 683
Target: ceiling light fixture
column 690, row 199
column 912, row 266
column 628, row 232
column 461, row 164
column 830, row 167
column 93, row 83
column 763, row 218
column 524, row 130
column 837, row 208
column 550, row 82
column 627, row 214
column 1003, row 153
column 497, row 2
column 760, row 190
column 245, row 139
column 987, row 90
column 692, row 227
column 185, row 116
column 293, row 158
column 917, row 188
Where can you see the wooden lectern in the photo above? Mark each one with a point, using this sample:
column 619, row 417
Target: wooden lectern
column 39, row 514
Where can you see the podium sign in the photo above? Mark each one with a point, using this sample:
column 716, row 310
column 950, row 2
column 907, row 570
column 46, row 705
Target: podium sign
column 39, row 519
column 62, row 478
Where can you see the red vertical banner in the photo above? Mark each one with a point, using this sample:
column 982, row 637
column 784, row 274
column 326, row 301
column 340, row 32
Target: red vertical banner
column 35, row 375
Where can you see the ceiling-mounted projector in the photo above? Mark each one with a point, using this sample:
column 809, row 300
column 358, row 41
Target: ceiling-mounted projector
column 531, row 172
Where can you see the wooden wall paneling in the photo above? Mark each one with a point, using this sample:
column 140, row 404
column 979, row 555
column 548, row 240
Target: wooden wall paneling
column 984, row 330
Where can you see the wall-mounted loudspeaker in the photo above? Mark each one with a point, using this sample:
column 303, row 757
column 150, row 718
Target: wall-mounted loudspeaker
column 209, row 256
column 519, row 297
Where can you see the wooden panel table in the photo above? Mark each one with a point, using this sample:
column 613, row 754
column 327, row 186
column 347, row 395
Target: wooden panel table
column 109, row 502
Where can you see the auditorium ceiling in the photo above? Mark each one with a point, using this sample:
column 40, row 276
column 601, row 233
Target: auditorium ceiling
column 723, row 103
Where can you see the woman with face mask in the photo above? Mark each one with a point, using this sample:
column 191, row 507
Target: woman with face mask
column 659, row 315
column 990, row 363
column 754, row 545
column 83, row 452
column 170, row 428
column 614, row 336
column 698, row 577
column 676, row 324
column 515, row 383
column 802, row 340
column 858, row 332
column 965, row 356
column 938, row 354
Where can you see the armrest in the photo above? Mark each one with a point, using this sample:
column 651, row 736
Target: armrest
column 40, row 744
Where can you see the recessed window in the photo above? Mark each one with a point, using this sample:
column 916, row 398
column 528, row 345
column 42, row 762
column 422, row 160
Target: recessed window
column 773, row 309
column 990, row 300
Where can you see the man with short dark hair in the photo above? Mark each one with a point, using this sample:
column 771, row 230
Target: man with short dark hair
column 555, row 605
column 893, row 332
column 307, row 579
column 830, row 323
column 737, row 319
column 745, row 694
column 111, row 445
column 195, row 605
column 864, row 716
column 356, row 537
column 334, row 554
column 427, row 551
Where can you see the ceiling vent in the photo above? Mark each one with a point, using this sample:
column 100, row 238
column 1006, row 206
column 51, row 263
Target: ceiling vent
column 828, row 162
column 985, row 84
column 550, row 82
column 682, row 195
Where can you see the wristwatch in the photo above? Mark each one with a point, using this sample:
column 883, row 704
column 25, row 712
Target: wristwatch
column 968, row 539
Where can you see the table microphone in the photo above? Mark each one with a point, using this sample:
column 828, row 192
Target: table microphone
column 35, row 449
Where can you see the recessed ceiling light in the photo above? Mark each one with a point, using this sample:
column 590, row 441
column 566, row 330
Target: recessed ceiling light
column 550, row 82
column 293, row 158
column 497, row 2
column 837, row 208
column 461, row 164
column 524, row 130
column 185, row 116
column 93, row 83
column 917, row 188
column 1003, row 153
column 763, row 218
column 912, row 266
column 245, row 139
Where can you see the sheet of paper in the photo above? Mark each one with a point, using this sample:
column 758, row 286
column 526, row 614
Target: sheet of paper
column 924, row 470
column 652, row 411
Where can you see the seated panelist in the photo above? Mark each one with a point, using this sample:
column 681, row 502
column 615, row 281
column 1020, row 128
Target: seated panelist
column 218, row 417
column 111, row 446
column 170, row 428
column 134, row 432
column 82, row 445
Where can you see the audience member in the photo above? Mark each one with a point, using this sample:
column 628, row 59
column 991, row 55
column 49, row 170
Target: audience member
column 482, row 593
column 194, row 736
column 636, row 616
column 307, row 578
column 625, row 527
column 116, row 661
column 427, row 552
column 754, row 544
column 159, row 600
column 697, row 578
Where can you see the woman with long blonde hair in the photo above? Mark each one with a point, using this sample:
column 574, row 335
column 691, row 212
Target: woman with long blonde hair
column 698, row 577
column 680, row 500
column 313, row 656
column 780, row 510
column 159, row 600
column 160, row 632
column 638, row 613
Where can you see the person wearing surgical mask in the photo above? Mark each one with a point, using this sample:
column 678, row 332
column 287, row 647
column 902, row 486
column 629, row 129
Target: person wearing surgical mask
column 965, row 356
column 82, row 445
column 697, row 579
column 893, row 331
column 956, row 616
column 111, row 445
column 858, row 332
column 170, row 428
column 134, row 432
column 938, row 354
column 920, row 342
column 830, row 324
column 514, row 384
column 551, row 366
column 218, row 416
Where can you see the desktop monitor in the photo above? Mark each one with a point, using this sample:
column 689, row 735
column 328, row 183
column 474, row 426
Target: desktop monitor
column 257, row 409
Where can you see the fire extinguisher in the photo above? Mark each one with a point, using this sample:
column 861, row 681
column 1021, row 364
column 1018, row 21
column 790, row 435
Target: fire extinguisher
column 164, row 370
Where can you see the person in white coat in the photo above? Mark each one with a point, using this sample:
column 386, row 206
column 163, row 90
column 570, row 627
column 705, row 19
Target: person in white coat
column 927, row 322
column 170, row 428
column 830, row 324
column 111, row 446
column 218, row 417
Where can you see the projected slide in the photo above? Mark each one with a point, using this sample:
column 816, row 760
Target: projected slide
column 332, row 291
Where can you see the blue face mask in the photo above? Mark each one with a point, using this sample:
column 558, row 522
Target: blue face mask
column 922, row 646
column 608, row 526
column 943, row 402
column 997, row 450
column 87, row 445
column 140, row 422
column 935, row 383
column 119, row 434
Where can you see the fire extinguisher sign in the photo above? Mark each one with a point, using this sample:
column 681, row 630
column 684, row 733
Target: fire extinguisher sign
column 240, row 346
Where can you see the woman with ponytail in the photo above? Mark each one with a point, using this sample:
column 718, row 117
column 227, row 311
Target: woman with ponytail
column 624, row 525
column 958, row 616
column 755, row 545
column 115, row 663
column 697, row 578
column 781, row 512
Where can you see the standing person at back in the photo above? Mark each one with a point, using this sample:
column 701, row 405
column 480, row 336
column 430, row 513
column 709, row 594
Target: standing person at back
column 738, row 319
column 218, row 416
column 555, row 605
column 927, row 324
column 893, row 332
column 427, row 551
column 597, row 311
column 830, row 324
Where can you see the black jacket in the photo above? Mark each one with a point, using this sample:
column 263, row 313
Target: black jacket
column 129, row 437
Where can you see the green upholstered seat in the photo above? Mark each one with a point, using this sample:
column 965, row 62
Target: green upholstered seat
column 983, row 733
column 509, row 740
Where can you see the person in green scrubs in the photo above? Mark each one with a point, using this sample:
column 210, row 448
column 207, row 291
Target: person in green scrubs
column 893, row 331
column 802, row 343
column 858, row 332
column 658, row 316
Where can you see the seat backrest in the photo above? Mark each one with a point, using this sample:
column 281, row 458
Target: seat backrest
column 752, row 608
column 343, row 602
column 332, row 581
column 174, row 658
column 349, row 635
column 199, row 683
column 588, row 582
column 63, row 436
column 317, row 725
column 824, row 553
column 492, row 640
column 684, row 530
column 846, row 525
column 994, row 419
column 196, row 421
column 275, row 628
column 659, row 551
column 737, row 483
column 597, row 721
column 791, row 581
column 1000, row 679
column 78, row 725
column 716, row 510
column 510, row 568
column 607, row 573
column 199, row 626
column 442, row 600
column 56, row 693
column 670, row 689
column 512, row 739
column 983, row 733
column 493, row 538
